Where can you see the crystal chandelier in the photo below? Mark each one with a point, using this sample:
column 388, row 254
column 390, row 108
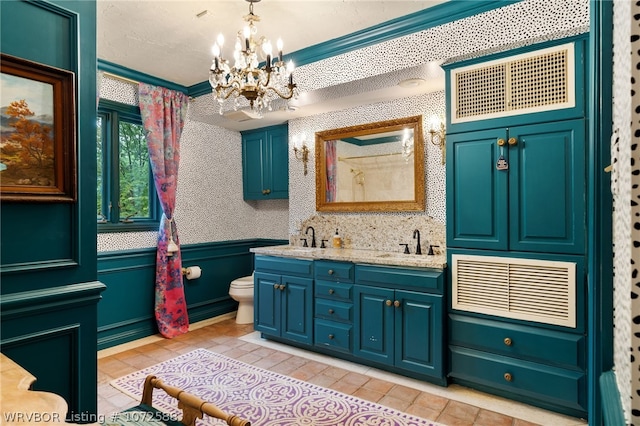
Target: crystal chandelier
column 258, row 84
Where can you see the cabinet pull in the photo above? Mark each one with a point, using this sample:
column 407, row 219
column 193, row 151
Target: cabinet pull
column 508, row 377
column 331, row 337
column 331, row 311
column 331, row 291
column 388, row 302
column 330, row 271
column 396, row 303
column 508, row 341
column 501, row 142
column 513, row 141
column 281, row 287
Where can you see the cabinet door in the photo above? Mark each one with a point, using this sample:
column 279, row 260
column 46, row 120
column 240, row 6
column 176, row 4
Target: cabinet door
column 476, row 191
column 253, row 157
column 374, row 316
column 297, row 309
column 277, row 164
column 418, row 333
column 547, row 187
column 267, row 303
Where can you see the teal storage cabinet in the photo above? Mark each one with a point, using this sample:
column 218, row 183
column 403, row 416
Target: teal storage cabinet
column 284, row 298
column 516, row 202
column 399, row 318
column 265, row 163
column 536, row 204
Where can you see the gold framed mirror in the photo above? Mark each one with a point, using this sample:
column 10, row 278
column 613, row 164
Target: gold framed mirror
column 375, row 167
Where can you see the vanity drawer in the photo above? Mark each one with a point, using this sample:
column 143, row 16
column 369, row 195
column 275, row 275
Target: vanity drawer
column 332, row 310
column 333, row 335
column 522, row 341
column 333, row 290
column 516, row 377
column 284, row 265
column 334, row 271
column 400, row 277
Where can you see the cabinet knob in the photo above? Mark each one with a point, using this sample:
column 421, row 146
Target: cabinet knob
column 275, row 286
column 513, row 141
column 331, row 311
column 331, row 337
column 501, row 142
column 388, row 302
column 508, row 341
column 508, row 377
column 281, row 287
column 331, row 291
column 264, row 192
column 330, row 271
column 396, row 303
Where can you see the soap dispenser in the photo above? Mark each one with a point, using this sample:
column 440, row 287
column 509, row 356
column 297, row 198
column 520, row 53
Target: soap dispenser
column 337, row 240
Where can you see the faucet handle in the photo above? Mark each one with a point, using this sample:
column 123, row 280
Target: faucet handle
column 322, row 245
column 431, row 253
column 304, row 244
column 406, row 248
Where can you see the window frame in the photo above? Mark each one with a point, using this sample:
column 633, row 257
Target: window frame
column 112, row 113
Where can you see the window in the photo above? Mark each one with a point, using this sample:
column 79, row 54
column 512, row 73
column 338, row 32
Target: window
column 127, row 199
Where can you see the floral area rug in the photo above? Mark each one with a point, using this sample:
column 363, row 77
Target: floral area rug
column 263, row 397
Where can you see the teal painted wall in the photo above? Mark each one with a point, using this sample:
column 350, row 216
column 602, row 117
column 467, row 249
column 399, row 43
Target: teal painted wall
column 126, row 312
column 48, row 264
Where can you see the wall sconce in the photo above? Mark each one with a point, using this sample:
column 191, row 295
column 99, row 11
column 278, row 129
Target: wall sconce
column 300, row 151
column 437, row 135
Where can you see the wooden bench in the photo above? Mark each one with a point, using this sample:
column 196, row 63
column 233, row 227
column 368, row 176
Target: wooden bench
column 192, row 408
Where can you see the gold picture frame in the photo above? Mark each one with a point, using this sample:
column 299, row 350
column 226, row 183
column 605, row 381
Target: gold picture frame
column 38, row 158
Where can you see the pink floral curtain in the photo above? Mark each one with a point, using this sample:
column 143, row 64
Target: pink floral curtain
column 163, row 113
column 332, row 167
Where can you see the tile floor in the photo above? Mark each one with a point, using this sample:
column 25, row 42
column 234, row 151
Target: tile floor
column 452, row 406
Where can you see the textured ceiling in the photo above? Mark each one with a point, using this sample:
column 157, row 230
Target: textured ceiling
column 167, row 40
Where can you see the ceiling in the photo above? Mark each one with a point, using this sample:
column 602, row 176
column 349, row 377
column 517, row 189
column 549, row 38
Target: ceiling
column 172, row 40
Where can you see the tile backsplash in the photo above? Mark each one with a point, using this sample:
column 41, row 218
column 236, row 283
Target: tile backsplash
column 379, row 232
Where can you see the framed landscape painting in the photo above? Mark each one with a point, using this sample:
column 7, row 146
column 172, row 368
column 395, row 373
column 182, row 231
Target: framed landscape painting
column 37, row 132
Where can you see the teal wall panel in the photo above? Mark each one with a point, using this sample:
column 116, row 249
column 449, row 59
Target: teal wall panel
column 126, row 312
column 56, row 325
column 48, row 265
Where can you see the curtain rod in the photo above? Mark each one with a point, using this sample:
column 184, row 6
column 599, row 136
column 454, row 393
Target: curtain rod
column 368, row 156
column 117, row 77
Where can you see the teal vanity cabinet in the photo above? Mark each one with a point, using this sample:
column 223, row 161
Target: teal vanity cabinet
column 265, row 163
column 333, row 323
column 399, row 318
column 283, row 299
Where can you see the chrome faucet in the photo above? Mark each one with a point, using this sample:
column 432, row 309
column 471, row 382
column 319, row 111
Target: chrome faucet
column 313, row 235
column 416, row 233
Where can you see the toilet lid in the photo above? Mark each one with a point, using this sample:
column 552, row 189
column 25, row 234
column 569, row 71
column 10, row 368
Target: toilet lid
column 244, row 282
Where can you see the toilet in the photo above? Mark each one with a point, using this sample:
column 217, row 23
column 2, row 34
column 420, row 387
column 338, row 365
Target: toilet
column 241, row 290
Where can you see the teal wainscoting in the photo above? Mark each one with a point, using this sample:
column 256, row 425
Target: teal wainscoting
column 126, row 311
column 612, row 412
column 51, row 333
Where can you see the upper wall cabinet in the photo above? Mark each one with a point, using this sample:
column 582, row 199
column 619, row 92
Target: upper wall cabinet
column 265, row 163
column 533, row 84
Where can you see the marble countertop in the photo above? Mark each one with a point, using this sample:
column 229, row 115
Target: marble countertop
column 437, row 261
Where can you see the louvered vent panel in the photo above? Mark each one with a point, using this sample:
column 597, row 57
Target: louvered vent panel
column 526, row 289
column 481, row 91
column 538, row 81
